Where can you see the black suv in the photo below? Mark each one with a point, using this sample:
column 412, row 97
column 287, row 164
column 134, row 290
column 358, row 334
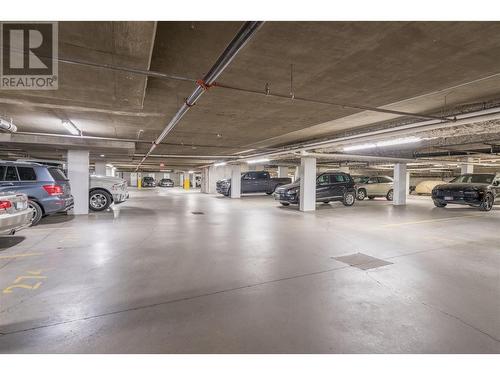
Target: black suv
column 330, row 186
column 475, row 189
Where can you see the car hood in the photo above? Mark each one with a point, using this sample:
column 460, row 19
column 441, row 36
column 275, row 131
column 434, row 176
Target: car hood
column 288, row 186
column 461, row 186
column 224, row 180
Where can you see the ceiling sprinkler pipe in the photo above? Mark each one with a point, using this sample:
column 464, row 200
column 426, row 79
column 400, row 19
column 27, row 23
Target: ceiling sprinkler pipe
column 238, row 42
column 7, row 126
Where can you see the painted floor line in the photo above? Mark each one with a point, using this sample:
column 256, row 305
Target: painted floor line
column 429, row 221
column 19, row 255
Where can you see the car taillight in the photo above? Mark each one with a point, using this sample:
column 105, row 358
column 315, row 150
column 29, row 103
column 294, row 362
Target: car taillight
column 53, row 189
column 4, row 205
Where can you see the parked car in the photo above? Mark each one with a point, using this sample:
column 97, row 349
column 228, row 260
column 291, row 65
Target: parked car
column 148, row 181
column 104, row 190
column 14, row 212
column 474, row 189
column 425, row 187
column 330, row 186
column 253, row 182
column 47, row 188
column 375, row 186
column 166, row 182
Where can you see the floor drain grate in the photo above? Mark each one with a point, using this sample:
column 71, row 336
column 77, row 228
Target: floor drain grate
column 362, row 261
column 198, row 213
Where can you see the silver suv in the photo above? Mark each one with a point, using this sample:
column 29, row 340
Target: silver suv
column 375, row 186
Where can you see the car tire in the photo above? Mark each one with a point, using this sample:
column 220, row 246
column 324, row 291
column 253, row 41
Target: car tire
column 37, row 212
column 361, row 194
column 285, row 204
column 390, row 195
column 349, row 199
column 228, row 194
column 269, row 193
column 99, row 200
column 439, row 204
column 486, row 203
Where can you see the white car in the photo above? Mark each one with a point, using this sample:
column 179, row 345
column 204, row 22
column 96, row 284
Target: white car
column 14, row 212
column 376, row 186
column 104, row 190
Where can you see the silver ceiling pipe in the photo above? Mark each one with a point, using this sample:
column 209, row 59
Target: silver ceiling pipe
column 177, row 156
column 7, row 126
column 238, row 42
column 463, row 119
column 357, row 157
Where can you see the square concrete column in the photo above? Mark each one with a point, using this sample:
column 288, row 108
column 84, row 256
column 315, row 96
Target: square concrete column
column 296, row 174
column 400, row 191
column 407, row 183
column 100, row 168
column 78, row 174
column 235, row 181
column 307, row 184
column 282, row 172
column 467, row 168
column 212, row 179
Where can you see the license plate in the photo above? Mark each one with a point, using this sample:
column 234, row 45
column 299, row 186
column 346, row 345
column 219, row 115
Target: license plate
column 20, row 206
column 448, row 198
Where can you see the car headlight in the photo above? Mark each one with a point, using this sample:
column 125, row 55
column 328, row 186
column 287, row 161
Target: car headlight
column 293, row 191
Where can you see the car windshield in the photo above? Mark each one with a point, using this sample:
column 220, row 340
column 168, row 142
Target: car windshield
column 474, row 179
column 148, row 178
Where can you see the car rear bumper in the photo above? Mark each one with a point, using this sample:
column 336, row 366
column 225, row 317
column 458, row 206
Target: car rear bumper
column 52, row 205
column 15, row 222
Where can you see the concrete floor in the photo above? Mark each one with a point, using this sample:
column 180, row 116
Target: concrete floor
column 249, row 276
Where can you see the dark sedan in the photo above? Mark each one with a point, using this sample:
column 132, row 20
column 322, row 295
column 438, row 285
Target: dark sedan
column 475, row 189
column 148, row 181
column 166, row 182
column 330, row 186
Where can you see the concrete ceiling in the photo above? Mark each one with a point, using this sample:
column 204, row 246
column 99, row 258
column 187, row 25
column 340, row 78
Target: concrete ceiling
column 421, row 67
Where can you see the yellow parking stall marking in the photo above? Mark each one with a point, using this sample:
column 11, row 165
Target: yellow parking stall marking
column 22, row 286
column 429, row 221
column 19, row 255
column 30, row 275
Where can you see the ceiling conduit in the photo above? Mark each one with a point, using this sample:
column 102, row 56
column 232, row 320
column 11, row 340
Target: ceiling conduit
column 238, row 42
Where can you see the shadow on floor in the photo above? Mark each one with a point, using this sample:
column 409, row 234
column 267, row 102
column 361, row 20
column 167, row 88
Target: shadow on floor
column 7, row 242
column 56, row 219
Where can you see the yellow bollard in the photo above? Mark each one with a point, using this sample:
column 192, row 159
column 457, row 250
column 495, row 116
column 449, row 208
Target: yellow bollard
column 186, row 184
column 139, row 183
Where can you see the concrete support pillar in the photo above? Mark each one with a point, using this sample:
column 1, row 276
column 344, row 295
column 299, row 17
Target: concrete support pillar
column 307, row 184
column 204, row 180
column 400, row 191
column 296, row 174
column 78, row 174
column 100, row 168
column 186, row 182
column 344, row 169
column 235, row 181
column 282, row 172
column 212, row 179
column 467, row 168
column 407, row 183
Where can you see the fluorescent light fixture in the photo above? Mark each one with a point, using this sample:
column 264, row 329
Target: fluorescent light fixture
column 220, row 164
column 71, row 127
column 102, row 155
column 190, row 171
column 255, row 161
column 390, row 142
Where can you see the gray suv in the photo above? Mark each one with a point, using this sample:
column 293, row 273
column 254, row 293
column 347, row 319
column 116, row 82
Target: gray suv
column 47, row 188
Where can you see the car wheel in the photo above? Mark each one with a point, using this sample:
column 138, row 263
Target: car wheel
column 349, row 199
column 285, row 203
column 487, row 203
column 439, row 204
column 269, row 193
column 99, row 200
column 361, row 194
column 390, row 195
column 37, row 212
